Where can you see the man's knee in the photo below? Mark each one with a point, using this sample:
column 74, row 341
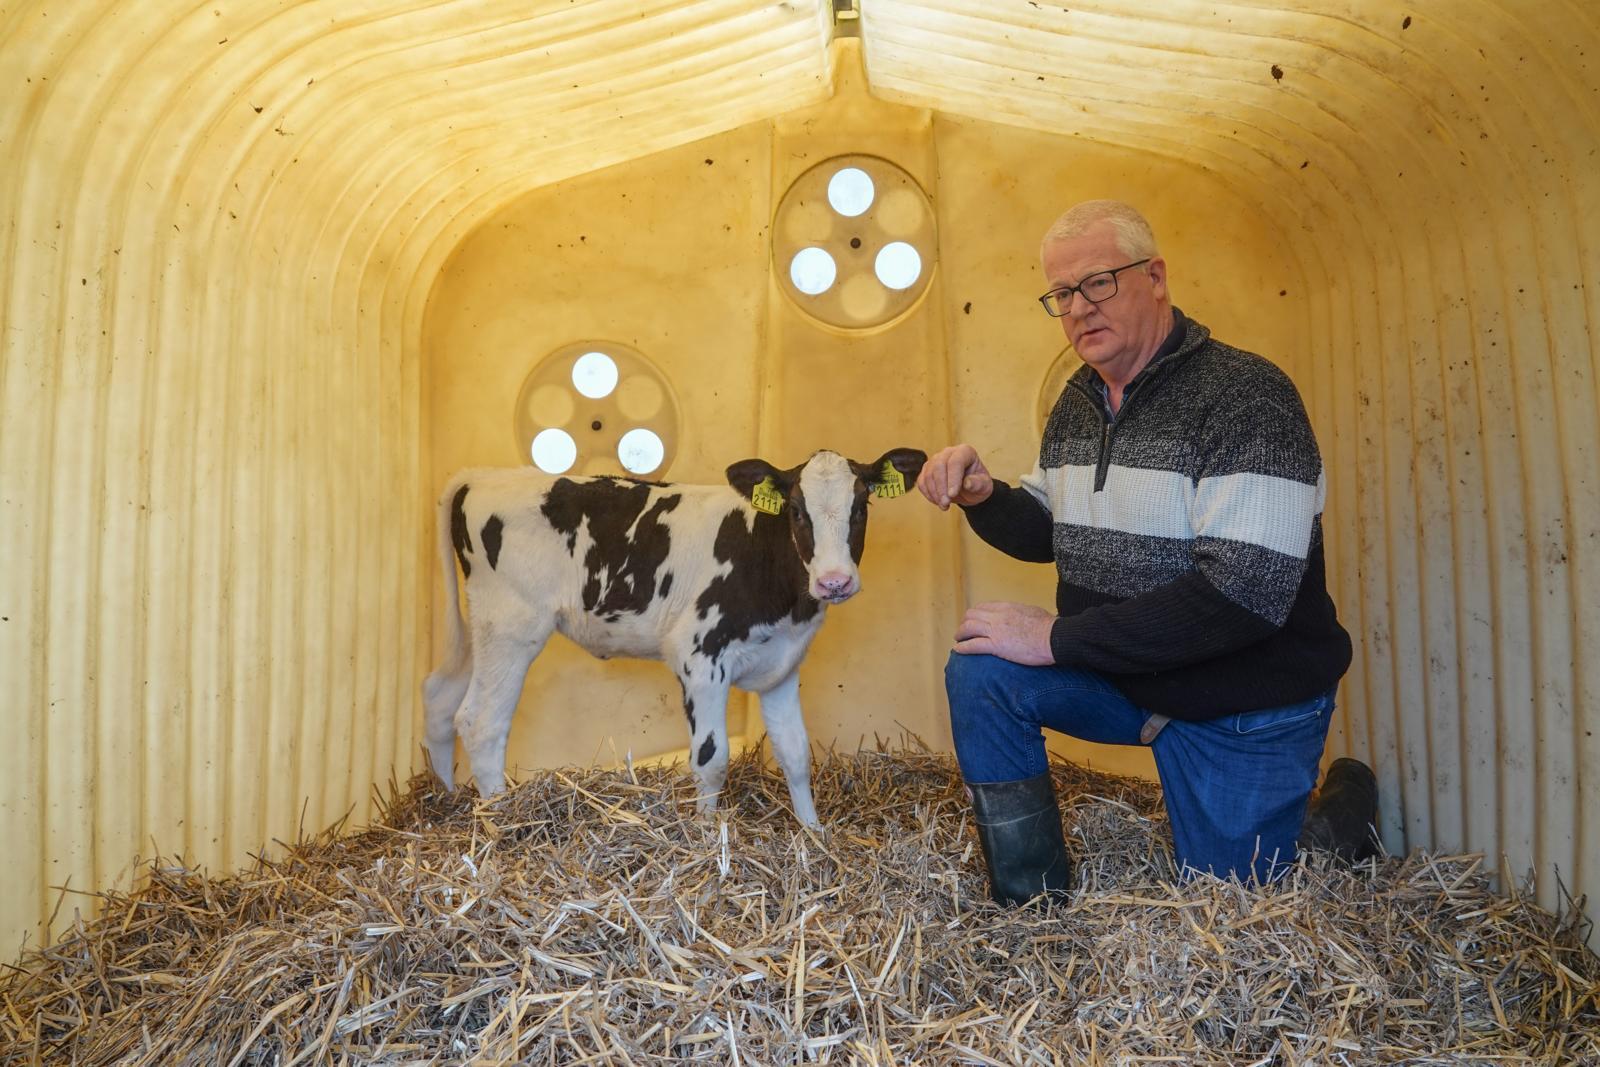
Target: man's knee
column 959, row 672
column 976, row 676
column 988, row 695
column 975, row 690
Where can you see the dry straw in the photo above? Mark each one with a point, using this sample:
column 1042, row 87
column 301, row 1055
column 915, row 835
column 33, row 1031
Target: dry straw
column 590, row 917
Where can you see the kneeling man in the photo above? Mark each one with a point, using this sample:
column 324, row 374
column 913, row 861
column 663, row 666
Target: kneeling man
column 1179, row 493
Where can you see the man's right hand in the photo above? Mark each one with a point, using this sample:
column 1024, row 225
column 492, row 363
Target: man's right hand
column 955, row 475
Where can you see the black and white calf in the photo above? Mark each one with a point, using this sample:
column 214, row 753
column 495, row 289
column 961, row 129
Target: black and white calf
column 725, row 591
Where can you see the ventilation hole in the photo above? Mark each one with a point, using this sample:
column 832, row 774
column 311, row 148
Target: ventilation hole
column 898, row 265
column 812, row 270
column 850, row 191
column 594, row 375
column 554, row 451
column 829, row 233
column 640, row 451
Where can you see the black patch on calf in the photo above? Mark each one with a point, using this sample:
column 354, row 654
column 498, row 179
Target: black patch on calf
column 563, row 508
column 491, row 539
column 707, row 750
column 747, row 473
column 858, row 521
column 621, row 569
column 459, row 537
column 688, row 701
column 908, row 461
column 666, row 584
column 766, row 582
column 805, row 536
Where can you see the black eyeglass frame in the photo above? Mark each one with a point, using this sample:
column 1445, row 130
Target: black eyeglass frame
column 1063, row 295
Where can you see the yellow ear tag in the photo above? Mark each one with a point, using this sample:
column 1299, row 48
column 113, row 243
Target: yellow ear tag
column 765, row 497
column 893, row 483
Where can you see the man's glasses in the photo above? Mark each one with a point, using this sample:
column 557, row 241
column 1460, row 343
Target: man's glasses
column 1096, row 288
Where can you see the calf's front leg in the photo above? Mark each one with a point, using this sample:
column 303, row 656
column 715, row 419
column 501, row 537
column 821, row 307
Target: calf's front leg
column 705, row 705
column 780, row 710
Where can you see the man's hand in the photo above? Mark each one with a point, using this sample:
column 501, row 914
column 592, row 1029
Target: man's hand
column 955, row 475
column 1016, row 632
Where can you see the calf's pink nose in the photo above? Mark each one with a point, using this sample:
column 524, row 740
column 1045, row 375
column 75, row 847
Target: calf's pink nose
column 833, row 583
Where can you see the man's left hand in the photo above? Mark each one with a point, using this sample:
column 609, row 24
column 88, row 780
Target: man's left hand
column 1016, row 632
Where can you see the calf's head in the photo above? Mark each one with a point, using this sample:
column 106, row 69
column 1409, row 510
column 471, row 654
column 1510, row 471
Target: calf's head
column 824, row 501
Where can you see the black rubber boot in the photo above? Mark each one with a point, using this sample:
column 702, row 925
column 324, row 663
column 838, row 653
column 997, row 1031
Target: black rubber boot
column 1344, row 812
column 1019, row 827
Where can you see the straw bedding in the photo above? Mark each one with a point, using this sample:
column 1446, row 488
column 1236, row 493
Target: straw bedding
column 590, row 917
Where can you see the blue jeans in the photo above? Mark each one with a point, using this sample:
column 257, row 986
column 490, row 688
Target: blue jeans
column 1236, row 787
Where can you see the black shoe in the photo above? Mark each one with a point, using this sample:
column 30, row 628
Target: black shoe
column 1019, row 827
column 1344, row 812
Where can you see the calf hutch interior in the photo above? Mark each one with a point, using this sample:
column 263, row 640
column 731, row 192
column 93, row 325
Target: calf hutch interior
column 275, row 271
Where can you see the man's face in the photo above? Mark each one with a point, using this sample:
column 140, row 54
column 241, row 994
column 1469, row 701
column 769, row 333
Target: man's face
column 1115, row 335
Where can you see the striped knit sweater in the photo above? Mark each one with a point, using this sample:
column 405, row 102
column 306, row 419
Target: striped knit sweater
column 1186, row 533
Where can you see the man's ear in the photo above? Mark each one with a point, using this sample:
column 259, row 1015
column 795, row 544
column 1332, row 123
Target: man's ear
column 746, row 474
column 1157, row 270
column 907, row 461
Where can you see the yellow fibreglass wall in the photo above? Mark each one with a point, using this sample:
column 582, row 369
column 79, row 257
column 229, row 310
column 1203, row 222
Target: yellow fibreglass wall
column 270, row 271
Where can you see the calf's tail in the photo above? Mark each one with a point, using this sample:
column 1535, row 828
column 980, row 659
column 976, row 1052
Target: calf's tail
column 455, row 634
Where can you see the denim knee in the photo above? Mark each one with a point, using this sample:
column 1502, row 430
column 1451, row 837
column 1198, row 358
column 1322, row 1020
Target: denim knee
column 969, row 685
column 958, row 672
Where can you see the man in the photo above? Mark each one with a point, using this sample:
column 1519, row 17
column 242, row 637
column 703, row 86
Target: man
column 1179, row 493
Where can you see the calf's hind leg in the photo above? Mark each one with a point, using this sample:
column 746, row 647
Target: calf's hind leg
column 501, row 656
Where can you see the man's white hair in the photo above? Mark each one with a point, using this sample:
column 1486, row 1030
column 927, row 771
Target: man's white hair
column 1133, row 233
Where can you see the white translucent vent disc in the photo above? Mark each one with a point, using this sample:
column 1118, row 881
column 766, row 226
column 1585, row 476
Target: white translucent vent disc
column 812, row 270
column 640, row 451
column 594, row 375
column 898, row 265
column 554, row 451
column 850, row 191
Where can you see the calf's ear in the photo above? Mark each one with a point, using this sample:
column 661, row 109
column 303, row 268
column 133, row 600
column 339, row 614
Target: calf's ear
column 907, row 461
column 746, row 474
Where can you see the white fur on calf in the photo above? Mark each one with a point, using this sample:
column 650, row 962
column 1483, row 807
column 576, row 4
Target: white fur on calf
column 690, row 574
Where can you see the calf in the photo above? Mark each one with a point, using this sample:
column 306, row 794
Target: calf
column 727, row 584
